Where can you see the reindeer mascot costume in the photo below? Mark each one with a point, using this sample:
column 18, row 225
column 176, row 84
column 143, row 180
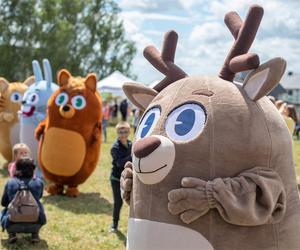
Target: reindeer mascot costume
column 212, row 160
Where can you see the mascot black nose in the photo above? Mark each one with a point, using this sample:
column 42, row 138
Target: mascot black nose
column 23, row 102
column 66, row 108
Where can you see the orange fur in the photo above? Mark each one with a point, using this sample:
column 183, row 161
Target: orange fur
column 65, row 128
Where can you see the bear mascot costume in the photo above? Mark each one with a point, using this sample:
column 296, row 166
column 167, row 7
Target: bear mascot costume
column 212, row 160
column 11, row 95
column 70, row 136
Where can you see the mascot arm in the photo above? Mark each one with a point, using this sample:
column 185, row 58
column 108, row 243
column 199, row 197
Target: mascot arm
column 254, row 197
column 96, row 132
column 6, row 116
column 39, row 131
column 38, row 117
column 5, row 199
column 126, row 182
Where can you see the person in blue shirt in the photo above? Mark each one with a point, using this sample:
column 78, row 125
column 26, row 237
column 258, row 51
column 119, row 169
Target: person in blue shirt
column 121, row 153
column 24, row 174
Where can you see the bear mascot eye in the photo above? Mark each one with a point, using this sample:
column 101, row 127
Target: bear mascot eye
column 16, row 97
column 185, row 122
column 78, row 102
column 61, row 99
column 148, row 123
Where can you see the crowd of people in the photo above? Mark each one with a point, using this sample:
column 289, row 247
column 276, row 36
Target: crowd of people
column 24, row 183
column 110, row 114
column 289, row 113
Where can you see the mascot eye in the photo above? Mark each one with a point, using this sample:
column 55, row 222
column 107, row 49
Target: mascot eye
column 33, row 98
column 185, row 122
column 61, row 99
column 148, row 123
column 16, row 97
column 78, row 102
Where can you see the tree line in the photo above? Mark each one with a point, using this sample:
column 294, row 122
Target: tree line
column 80, row 35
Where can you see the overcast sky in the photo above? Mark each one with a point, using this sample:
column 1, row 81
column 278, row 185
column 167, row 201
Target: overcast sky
column 204, row 39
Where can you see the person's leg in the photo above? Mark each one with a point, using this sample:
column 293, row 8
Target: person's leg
column 12, row 238
column 104, row 125
column 35, row 238
column 117, row 203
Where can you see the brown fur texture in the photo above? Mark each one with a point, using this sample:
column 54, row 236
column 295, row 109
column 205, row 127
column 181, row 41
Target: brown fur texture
column 70, row 138
column 232, row 185
column 10, row 102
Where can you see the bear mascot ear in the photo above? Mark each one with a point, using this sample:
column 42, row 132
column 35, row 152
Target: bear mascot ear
column 91, row 82
column 63, row 77
column 29, row 81
column 3, row 84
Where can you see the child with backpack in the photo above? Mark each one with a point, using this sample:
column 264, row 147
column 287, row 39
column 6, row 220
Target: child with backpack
column 19, row 151
column 23, row 212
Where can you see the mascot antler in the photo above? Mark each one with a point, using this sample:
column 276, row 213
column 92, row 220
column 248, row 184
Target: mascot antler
column 238, row 59
column 164, row 61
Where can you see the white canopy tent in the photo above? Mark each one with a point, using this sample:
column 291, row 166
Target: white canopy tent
column 113, row 84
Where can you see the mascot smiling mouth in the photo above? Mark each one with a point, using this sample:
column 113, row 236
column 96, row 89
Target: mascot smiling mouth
column 27, row 110
column 153, row 158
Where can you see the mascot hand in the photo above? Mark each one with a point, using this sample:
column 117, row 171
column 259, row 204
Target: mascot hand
column 96, row 132
column 8, row 117
column 190, row 201
column 38, row 116
column 126, row 182
column 39, row 131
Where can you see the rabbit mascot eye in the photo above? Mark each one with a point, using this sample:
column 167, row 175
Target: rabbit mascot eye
column 34, row 105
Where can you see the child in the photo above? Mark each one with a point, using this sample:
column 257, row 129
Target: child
column 23, row 175
column 20, row 150
column 121, row 153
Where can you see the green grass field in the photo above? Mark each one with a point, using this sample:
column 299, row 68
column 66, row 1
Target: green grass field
column 83, row 222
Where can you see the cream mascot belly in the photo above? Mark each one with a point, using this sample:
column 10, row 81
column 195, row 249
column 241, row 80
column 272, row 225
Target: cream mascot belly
column 152, row 235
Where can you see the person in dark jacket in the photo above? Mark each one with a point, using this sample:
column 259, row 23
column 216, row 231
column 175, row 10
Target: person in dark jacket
column 23, row 175
column 121, row 153
column 124, row 109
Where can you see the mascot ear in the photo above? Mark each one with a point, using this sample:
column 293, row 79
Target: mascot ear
column 63, row 77
column 140, row 95
column 3, row 84
column 261, row 81
column 30, row 80
column 91, row 82
column 37, row 71
column 47, row 72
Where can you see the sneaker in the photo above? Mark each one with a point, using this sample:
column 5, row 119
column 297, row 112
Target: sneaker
column 12, row 238
column 35, row 238
column 113, row 229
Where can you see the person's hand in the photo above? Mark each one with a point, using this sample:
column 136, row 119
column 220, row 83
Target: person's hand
column 190, row 201
column 126, row 182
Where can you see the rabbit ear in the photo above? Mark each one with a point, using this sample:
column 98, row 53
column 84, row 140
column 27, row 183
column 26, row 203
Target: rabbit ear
column 37, row 71
column 47, row 72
